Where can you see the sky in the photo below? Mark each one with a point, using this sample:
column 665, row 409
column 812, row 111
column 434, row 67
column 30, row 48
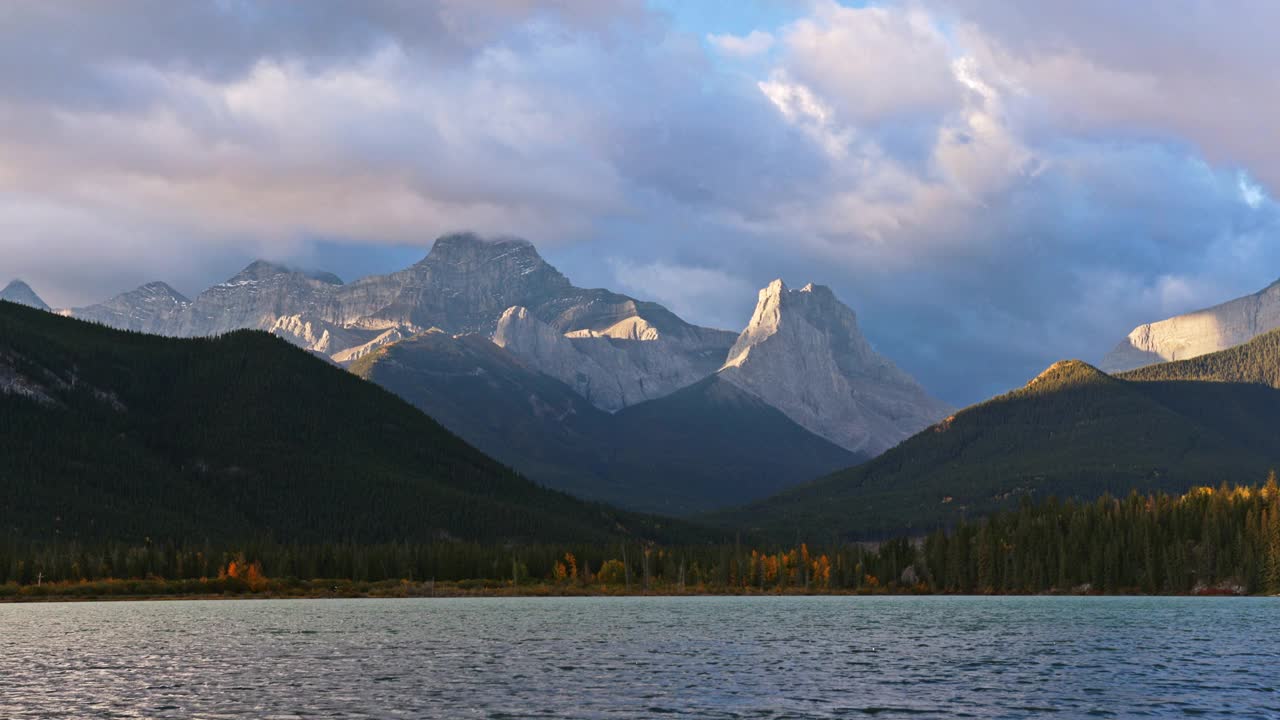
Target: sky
column 992, row 186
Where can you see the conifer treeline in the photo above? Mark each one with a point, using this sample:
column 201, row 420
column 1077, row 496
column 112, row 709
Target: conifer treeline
column 1223, row 538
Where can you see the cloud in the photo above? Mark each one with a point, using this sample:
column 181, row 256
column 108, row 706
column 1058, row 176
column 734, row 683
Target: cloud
column 877, row 66
column 997, row 226
column 380, row 123
column 991, row 186
column 756, row 42
column 711, row 294
column 1198, row 72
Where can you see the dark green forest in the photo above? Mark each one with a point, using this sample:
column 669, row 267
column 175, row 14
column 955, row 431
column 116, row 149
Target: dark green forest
column 1072, row 432
column 109, row 436
column 1210, row 540
column 1257, row 362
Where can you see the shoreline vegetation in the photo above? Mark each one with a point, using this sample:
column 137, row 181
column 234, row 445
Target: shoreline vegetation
column 160, row 590
column 1209, row 541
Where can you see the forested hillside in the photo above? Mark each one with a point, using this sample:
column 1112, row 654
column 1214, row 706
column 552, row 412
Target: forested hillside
column 1210, row 540
column 1257, row 361
column 116, row 436
column 1073, row 432
column 709, row 445
column 1225, row 539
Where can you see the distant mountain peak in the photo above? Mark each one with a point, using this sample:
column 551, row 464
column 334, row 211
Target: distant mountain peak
column 457, row 239
column 803, row 353
column 474, row 252
column 147, row 308
column 19, row 292
column 265, row 269
column 259, row 270
column 160, row 289
column 814, row 304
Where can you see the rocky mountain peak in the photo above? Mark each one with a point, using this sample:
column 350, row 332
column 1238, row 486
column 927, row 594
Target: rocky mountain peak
column 265, row 269
column 21, row 293
column 813, row 306
column 259, row 270
column 151, row 308
column 467, row 255
column 803, row 353
column 161, row 291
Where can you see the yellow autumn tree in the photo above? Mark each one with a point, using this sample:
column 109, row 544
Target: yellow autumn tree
column 770, row 564
column 821, row 571
column 612, row 572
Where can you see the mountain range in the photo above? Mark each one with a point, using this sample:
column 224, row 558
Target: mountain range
column 127, row 437
column 617, row 400
column 585, row 390
column 589, row 392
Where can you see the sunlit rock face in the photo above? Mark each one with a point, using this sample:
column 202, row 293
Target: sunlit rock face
column 618, row 364
column 1199, row 332
column 804, row 354
column 22, row 294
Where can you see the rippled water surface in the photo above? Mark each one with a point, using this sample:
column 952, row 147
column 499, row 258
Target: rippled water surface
column 641, row 657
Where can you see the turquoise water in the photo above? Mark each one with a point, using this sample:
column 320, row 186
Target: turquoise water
column 643, row 657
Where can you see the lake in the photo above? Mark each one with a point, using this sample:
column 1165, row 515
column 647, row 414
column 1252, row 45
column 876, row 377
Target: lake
column 697, row 657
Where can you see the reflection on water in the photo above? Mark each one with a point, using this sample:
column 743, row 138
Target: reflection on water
column 641, row 657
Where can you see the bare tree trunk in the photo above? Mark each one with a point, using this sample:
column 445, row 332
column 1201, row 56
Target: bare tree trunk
column 626, row 567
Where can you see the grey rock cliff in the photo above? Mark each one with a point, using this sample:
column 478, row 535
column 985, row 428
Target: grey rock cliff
column 258, row 297
column 804, row 354
column 152, row 308
column 462, row 286
column 621, row 365
column 1198, row 333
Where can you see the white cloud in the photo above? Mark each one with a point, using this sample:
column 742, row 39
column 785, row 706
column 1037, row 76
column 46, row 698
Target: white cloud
column 874, row 64
column 1196, row 72
column 701, row 292
column 757, row 42
column 1250, row 192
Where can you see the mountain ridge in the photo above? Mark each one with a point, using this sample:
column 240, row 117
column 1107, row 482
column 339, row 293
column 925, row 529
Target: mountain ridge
column 463, row 285
column 1199, row 332
column 123, row 436
column 1072, row 431
column 706, row 445
column 802, row 354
